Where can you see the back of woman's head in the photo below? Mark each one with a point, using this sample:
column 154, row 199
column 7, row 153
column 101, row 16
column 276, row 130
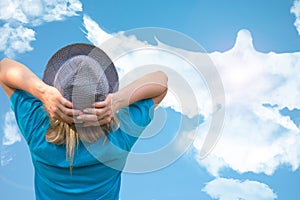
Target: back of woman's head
column 84, row 74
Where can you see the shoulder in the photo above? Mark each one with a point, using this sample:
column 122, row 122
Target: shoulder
column 146, row 103
column 133, row 120
column 21, row 94
column 29, row 113
column 140, row 112
column 20, row 99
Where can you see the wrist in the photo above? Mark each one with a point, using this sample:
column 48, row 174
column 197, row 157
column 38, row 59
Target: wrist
column 116, row 102
column 41, row 92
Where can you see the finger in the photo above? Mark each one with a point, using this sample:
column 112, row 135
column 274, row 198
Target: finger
column 105, row 120
column 90, row 111
column 86, row 124
column 70, row 112
column 99, row 112
column 66, row 103
column 88, row 118
column 67, row 119
column 63, row 117
column 100, row 104
column 77, row 121
column 55, row 114
column 108, row 115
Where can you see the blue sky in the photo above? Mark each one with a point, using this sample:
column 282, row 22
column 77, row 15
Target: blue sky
column 255, row 47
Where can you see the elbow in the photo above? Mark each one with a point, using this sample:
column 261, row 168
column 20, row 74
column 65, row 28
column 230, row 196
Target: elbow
column 4, row 63
column 165, row 81
column 1, row 68
column 163, row 77
column 3, row 60
column 162, row 88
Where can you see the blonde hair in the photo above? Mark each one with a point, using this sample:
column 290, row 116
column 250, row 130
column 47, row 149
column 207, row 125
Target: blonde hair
column 60, row 133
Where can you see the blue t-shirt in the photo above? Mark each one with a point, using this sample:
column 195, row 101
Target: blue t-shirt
column 97, row 167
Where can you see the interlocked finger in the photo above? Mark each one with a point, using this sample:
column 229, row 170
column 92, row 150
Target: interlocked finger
column 63, row 117
column 97, row 111
column 88, row 118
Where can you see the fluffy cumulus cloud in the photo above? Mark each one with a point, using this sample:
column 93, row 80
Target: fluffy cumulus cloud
column 296, row 11
column 11, row 130
column 15, row 40
column 231, row 189
column 11, row 136
column 20, row 17
column 35, row 12
column 94, row 32
column 255, row 137
column 6, row 156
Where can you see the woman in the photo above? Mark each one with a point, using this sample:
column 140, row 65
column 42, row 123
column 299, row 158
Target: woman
column 76, row 107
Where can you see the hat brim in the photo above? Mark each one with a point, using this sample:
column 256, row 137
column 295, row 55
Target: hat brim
column 70, row 51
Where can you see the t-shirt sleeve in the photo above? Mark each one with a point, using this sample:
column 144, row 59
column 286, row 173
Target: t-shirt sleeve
column 29, row 113
column 141, row 112
column 134, row 119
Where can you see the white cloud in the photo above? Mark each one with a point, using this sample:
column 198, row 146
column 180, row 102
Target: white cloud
column 18, row 16
column 11, row 130
column 36, row 12
column 255, row 138
column 6, row 156
column 10, row 137
column 15, row 40
column 59, row 9
column 296, row 11
column 231, row 189
column 9, row 10
column 93, row 31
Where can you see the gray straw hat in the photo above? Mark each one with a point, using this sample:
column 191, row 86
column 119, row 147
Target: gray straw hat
column 83, row 73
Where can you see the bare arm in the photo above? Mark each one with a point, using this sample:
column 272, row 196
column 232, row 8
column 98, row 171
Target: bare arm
column 14, row 75
column 153, row 85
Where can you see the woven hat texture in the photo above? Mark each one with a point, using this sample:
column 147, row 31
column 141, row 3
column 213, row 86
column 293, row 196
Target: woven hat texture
column 83, row 73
